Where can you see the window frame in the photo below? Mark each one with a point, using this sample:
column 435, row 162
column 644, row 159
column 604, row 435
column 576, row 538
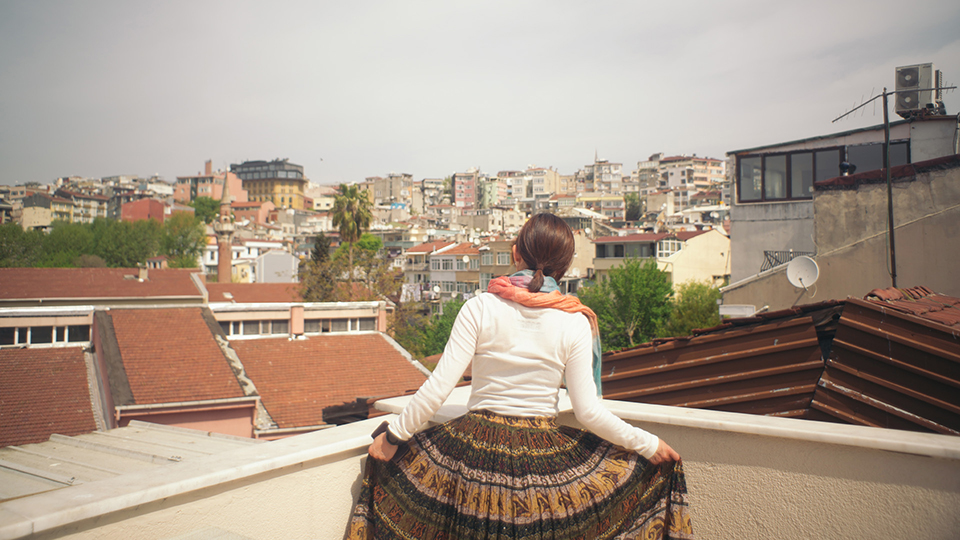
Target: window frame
column 843, row 151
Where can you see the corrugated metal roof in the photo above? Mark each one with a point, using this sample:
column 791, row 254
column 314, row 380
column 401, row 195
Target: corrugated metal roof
column 768, row 364
column 65, row 461
column 886, row 362
column 892, row 369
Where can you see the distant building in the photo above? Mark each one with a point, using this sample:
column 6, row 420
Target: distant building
column 277, row 181
column 209, row 184
column 465, row 188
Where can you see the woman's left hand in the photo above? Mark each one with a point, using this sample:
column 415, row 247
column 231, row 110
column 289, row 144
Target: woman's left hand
column 381, row 449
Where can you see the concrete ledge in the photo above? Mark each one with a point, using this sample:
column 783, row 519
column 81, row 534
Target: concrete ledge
column 908, row 442
column 57, row 509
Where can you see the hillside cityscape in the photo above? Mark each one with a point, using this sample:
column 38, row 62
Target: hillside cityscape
column 205, row 353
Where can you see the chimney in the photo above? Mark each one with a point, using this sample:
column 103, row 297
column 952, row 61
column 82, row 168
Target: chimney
column 208, row 167
column 143, row 272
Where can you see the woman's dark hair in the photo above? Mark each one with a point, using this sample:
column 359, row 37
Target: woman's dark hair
column 545, row 244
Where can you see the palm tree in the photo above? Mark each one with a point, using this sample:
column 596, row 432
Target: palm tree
column 351, row 215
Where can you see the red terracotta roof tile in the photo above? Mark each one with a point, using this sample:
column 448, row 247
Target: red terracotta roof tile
column 465, row 248
column 644, row 237
column 254, row 292
column 94, row 283
column 42, row 392
column 170, row 355
column 298, row 379
column 429, row 247
column 920, row 302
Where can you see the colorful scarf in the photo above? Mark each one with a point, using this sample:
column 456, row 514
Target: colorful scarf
column 514, row 288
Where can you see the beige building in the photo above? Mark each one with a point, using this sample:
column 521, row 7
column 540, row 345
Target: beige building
column 850, row 233
column 685, row 256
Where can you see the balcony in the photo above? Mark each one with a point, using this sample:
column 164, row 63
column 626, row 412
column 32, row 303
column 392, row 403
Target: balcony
column 748, row 477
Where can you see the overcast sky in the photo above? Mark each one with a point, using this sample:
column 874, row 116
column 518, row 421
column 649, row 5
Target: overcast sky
column 362, row 88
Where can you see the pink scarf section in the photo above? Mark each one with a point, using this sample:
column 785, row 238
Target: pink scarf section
column 505, row 288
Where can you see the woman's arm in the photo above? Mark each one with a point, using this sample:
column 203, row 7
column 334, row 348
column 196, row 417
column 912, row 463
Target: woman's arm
column 456, row 357
column 590, row 411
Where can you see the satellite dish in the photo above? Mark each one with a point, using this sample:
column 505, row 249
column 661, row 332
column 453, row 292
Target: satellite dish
column 803, row 272
column 436, row 288
column 466, row 259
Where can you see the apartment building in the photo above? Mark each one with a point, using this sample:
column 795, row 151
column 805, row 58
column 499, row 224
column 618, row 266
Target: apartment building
column 277, row 181
column 209, row 184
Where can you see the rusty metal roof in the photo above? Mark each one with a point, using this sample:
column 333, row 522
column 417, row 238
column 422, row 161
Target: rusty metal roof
column 864, row 362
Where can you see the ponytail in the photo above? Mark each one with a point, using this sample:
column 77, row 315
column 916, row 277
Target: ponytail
column 536, row 282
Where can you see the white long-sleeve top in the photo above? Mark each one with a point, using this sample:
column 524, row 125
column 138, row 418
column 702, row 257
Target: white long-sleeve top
column 520, row 356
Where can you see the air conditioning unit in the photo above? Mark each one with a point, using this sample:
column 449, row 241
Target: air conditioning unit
column 914, row 92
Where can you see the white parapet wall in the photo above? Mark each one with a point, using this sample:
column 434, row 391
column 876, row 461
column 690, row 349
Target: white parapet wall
column 749, row 477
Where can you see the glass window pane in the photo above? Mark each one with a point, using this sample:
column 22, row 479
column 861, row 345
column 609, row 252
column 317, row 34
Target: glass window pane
column 41, row 334
column 801, row 175
column 79, row 332
column 59, row 334
column 827, row 164
column 899, row 154
column 7, row 335
column 867, row 157
column 338, row 325
column 224, row 325
column 750, row 178
column 251, row 328
column 368, row 324
column 280, row 327
column 775, row 177
column 311, row 326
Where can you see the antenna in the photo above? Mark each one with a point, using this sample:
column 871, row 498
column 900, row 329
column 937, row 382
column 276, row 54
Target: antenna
column 803, row 272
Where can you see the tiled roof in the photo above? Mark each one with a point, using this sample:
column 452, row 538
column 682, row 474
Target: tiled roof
column 644, row 237
column 919, row 302
column 298, row 379
column 42, row 392
column 170, row 355
column 686, row 235
column 465, row 248
column 93, row 283
column 254, row 292
column 429, row 247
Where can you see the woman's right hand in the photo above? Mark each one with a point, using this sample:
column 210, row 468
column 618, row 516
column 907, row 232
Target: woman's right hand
column 381, row 449
column 664, row 454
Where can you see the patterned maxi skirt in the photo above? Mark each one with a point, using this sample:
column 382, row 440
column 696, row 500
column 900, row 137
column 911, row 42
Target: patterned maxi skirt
column 488, row 476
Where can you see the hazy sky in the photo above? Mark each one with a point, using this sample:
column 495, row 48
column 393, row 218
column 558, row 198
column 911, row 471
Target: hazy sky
column 351, row 89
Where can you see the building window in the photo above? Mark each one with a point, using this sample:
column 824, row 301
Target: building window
column 435, row 264
column 368, row 324
column 486, row 259
column 474, row 264
column 503, row 258
column 485, row 278
column 791, row 175
column 667, row 248
column 340, row 325
column 447, row 264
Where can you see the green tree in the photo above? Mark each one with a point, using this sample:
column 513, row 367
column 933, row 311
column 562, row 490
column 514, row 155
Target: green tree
column 206, row 209
column 19, row 248
column 351, row 215
column 632, row 303
column 420, row 334
column 632, row 201
column 123, row 244
column 65, row 243
column 321, row 249
column 183, row 240
column 694, row 306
